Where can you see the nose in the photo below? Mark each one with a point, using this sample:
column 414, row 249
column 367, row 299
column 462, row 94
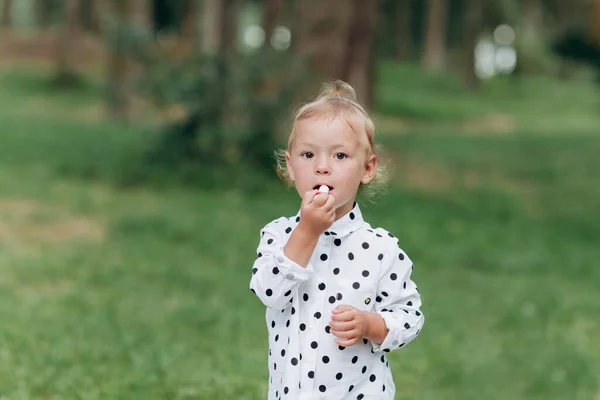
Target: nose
column 322, row 166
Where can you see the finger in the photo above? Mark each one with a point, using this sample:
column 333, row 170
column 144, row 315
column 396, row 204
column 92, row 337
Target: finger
column 330, row 203
column 347, row 342
column 342, row 308
column 320, row 199
column 308, row 196
column 344, row 316
column 342, row 326
column 345, row 334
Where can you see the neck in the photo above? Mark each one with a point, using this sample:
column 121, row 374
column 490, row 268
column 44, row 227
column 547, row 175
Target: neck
column 344, row 209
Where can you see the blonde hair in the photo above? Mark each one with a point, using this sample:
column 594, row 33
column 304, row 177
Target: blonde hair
column 338, row 99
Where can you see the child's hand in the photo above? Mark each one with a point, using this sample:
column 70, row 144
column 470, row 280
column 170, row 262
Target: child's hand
column 317, row 212
column 348, row 324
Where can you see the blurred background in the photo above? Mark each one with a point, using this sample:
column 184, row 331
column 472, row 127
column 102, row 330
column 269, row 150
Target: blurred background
column 136, row 171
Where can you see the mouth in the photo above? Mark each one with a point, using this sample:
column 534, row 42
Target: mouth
column 319, row 185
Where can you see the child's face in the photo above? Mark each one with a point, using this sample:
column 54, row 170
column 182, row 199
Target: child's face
column 330, row 153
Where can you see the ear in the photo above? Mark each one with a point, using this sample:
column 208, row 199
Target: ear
column 288, row 165
column 370, row 169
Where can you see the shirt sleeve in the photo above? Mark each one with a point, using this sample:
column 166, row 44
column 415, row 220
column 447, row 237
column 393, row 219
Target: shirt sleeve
column 398, row 301
column 275, row 278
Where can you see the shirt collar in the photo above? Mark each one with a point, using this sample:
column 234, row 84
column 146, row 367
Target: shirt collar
column 344, row 226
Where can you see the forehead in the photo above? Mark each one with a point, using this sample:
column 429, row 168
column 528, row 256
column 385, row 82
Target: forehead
column 329, row 131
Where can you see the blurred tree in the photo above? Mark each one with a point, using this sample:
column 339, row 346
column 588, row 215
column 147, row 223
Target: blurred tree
column 211, row 26
column 66, row 45
column 42, row 10
column 472, row 27
column 6, row 21
column 434, row 52
column 595, row 21
column 96, row 13
column 359, row 56
column 189, row 23
column 228, row 25
column 130, row 30
column 271, row 12
column 404, row 17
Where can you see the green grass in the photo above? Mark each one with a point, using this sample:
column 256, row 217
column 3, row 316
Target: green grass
column 112, row 292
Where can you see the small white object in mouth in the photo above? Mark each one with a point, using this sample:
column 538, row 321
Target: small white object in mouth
column 323, row 189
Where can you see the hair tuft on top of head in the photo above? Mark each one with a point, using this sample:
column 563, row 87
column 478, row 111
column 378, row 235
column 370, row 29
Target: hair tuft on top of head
column 337, row 89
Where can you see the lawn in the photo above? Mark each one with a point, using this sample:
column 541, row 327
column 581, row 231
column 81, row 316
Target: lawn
column 141, row 291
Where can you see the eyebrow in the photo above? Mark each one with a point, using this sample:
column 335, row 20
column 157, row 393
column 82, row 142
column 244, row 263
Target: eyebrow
column 335, row 147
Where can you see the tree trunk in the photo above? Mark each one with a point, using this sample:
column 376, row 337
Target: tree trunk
column 271, row 11
column 228, row 27
column 357, row 64
column 42, row 13
column 6, row 21
column 595, row 22
column 97, row 16
column 472, row 26
column 189, row 23
column 322, row 37
column 403, row 30
column 434, row 56
column 66, row 46
column 211, row 29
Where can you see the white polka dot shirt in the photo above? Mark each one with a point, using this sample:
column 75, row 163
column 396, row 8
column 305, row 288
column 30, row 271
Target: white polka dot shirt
column 352, row 264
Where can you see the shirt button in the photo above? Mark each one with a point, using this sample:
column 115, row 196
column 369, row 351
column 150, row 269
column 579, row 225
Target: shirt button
column 290, row 276
column 280, row 259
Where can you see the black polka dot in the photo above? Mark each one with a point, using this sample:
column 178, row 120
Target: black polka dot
column 252, row 290
column 350, row 256
column 327, row 233
column 274, row 365
column 393, row 277
column 287, row 293
column 338, row 376
column 384, row 294
column 294, row 361
column 336, row 271
column 360, row 396
column 254, row 271
column 407, row 325
column 337, row 242
column 378, row 299
column 401, row 256
column 364, row 369
column 269, row 292
column 293, row 311
column 323, row 257
column 354, row 359
column 288, row 230
column 331, row 299
column 378, row 235
column 275, row 270
column 302, row 327
column 321, row 286
column 276, row 337
column 287, row 324
column 297, row 219
column 325, row 359
column 283, row 353
column 286, row 390
column 314, row 345
column 327, row 329
column 339, row 296
column 409, row 303
column 322, row 388
column 272, row 324
column 365, row 245
column 401, row 344
column 365, row 273
column 311, row 374
column 305, row 296
column 317, row 315
column 380, row 257
column 404, row 285
column 383, row 388
column 341, row 347
column 356, row 285
column 390, row 235
column 259, row 255
column 269, row 241
column 417, row 313
column 382, row 359
column 372, row 378
column 350, row 388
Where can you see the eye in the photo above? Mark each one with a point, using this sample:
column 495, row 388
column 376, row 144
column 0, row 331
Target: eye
column 307, row 154
column 341, row 156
